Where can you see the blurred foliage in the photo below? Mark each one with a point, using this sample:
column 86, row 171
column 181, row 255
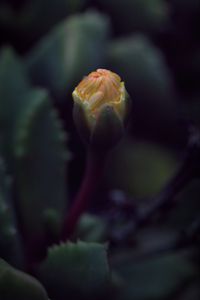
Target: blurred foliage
column 144, row 163
column 46, row 48
column 74, row 48
column 149, row 82
column 158, row 284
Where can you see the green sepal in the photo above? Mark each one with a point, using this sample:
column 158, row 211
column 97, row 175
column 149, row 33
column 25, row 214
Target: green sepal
column 128, row 108
column 108, row 129
column 81, row 121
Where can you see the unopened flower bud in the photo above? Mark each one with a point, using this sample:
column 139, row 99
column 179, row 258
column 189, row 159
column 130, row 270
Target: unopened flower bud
column 101, row 105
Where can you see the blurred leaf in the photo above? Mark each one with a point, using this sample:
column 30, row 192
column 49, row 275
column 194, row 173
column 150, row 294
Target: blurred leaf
column 14, row 87
column 76, row 270
column 74, row 48
column 16, row 285
column 143, row 69
column 148, row 168
column 9, row 239
column 149, row 82
column 35, row 17
column 39, row 15
column 33, row 145
column 146, row 15
column 40, row 162
column 155, row 278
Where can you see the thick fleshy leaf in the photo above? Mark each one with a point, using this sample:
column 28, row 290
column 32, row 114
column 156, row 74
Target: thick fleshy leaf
column 73, row 49
column 9, row 238
column 15, row 284
column 143, row 69
column 14, row 87
column 40, row 163
column 33, row 145
column 149, row 82
column 152, row 279
column 76, row 270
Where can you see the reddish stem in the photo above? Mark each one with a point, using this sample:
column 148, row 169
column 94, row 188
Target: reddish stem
column 91, row 180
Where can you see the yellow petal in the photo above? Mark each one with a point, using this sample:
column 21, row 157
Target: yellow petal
column 99, row 88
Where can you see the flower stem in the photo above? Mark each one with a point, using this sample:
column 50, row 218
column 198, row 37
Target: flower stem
column 92, row 178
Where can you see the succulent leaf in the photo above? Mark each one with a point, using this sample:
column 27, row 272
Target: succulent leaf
column 15, row 284
column 9, row 238
column 79, row 270
column 40, row 162
column 74, row 48
column 14, row 87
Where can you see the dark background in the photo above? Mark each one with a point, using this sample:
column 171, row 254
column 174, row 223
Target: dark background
column 154, row 45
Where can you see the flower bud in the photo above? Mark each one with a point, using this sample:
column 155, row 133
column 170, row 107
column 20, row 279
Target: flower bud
column 101, row 105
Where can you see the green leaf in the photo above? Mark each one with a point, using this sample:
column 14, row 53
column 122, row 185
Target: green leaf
column 33, row 145
column 153, row 279
column 149, row 83
column 40, row 163
column 76, row 270
column 15, row 284
column 74, row 48
column 9, row 238
column 142, row 67
column 14, row 87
